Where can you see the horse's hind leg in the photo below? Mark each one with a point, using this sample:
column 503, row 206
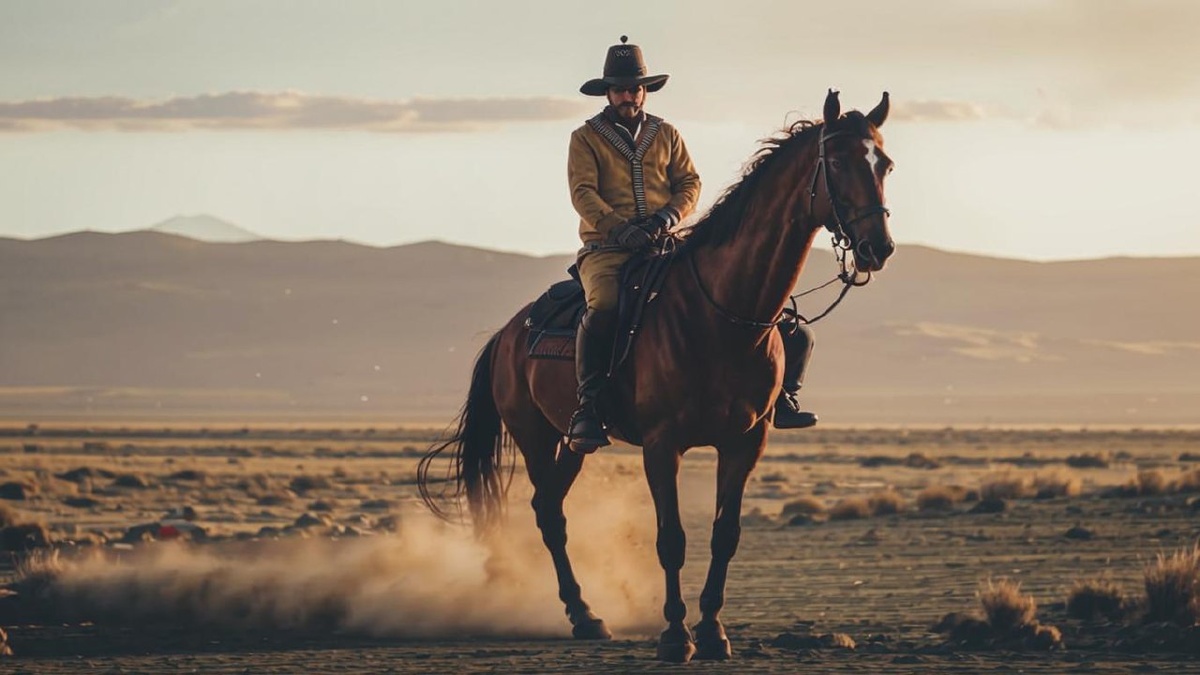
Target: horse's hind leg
column 552, row 477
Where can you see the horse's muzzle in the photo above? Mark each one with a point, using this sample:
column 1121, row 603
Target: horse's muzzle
column 870, row 257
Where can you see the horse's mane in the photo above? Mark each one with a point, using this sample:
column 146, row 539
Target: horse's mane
column 721, row 222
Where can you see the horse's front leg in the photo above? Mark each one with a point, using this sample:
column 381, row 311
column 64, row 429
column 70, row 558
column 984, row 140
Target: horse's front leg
column 735, row 462
column 662, row 473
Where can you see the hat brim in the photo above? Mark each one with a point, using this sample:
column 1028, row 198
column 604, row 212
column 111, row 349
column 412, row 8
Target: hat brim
column 600, row 85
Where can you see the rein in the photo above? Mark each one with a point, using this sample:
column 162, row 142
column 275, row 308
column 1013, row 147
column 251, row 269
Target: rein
column 842, row 244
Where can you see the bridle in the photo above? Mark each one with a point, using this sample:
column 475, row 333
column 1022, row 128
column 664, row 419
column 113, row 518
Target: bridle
column 842, row 244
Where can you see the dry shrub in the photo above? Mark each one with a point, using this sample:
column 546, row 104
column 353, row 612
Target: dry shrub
column 323, row 505
column 850, row 508
column 1189, row 481
column 24, row 537
column 1149, row 483
column 36, row 571
column 255, row 484
column 990, row 506
column 195, row 475
column 131, row 480
column 940, row 497
column 838, row 641
column 1092, row 460
column 775, row 477
column 8, row 516
column 1056, row 484
column 918, row 460
column 1005, row 607
column 84, row 474
column 81, row 502
column 1044, row 638
column 1095, row 598
column 376, row 504
column 886, row 503
column 1005, row 487
column 1173, row 587
column 304, row 483
column 809, row 506
column 19, row 490
column 876, row 461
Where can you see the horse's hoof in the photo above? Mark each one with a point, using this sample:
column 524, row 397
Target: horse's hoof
column 591, row 629
column 676, row 652
column 716, row 649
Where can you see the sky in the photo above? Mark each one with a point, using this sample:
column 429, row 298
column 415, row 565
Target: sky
column 1044, row 130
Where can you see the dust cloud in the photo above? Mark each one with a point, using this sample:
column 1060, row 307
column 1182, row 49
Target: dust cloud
column 428, row 579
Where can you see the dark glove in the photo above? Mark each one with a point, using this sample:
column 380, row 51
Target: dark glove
column 639, row 233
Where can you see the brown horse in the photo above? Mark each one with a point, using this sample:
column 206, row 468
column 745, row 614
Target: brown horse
column 705, row 371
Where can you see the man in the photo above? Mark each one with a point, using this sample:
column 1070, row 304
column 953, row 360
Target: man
column 631, row 180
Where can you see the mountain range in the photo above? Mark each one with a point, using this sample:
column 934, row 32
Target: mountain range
column 150, row 325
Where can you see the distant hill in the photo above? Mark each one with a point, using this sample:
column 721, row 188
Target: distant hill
column 206, row 228
column 151, row 324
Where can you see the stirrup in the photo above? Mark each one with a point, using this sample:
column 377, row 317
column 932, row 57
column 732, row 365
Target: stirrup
column 585, row 433
column 788, row 414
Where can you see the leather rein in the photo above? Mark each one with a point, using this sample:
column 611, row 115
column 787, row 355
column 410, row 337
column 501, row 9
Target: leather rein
column 842, row 244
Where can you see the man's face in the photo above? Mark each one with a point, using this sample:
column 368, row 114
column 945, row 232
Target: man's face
column 627, row 101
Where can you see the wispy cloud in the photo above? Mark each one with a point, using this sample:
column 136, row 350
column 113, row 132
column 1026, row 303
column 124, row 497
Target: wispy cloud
column 939, row 111
column 242, row 110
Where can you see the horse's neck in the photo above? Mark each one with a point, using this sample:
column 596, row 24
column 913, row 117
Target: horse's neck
column 752, row 275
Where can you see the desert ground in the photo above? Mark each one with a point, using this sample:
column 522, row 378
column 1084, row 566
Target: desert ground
column 175, row 548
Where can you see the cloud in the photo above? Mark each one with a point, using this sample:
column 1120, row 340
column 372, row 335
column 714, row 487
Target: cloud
column 938, row 111
column 241, row 110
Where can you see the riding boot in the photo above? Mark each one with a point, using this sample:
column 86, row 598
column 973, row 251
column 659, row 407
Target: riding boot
column 797, row 347
column 593, row 354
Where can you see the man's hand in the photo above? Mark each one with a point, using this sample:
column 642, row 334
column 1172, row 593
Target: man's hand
column 638, row 233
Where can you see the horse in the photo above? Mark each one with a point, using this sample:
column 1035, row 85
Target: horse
column 705, row 370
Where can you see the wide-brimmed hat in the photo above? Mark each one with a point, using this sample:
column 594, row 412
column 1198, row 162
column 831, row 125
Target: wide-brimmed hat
column 623, row 67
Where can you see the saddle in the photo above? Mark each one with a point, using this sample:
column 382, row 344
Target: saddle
column 555, row 315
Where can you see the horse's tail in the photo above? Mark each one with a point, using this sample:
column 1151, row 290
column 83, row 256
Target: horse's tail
column 477, row 460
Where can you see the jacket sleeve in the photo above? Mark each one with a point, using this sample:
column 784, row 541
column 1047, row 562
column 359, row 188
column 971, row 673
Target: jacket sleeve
column 685, row 182
column 583, row 175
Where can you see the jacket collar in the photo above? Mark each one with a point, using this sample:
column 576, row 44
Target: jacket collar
column 630, row 127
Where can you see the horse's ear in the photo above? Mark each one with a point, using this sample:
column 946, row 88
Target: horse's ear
column 879, row 113
column 833, row 107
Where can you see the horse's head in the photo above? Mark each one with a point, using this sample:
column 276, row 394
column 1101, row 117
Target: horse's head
column 851, row 168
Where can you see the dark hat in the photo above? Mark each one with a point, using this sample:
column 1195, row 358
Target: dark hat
column 623, row 67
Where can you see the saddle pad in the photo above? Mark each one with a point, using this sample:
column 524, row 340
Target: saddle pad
column 550, row 346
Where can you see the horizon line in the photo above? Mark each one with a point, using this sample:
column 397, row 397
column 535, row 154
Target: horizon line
column 318, row 240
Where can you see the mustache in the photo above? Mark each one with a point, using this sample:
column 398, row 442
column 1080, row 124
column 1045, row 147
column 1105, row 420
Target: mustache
column 628, row 105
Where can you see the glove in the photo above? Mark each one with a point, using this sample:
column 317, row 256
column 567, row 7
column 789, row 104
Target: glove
column 639, row 233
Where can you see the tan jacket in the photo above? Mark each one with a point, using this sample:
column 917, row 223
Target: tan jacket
column 612, row 182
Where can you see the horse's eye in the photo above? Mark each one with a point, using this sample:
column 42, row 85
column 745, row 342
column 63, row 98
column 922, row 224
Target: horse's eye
column 835, row 164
